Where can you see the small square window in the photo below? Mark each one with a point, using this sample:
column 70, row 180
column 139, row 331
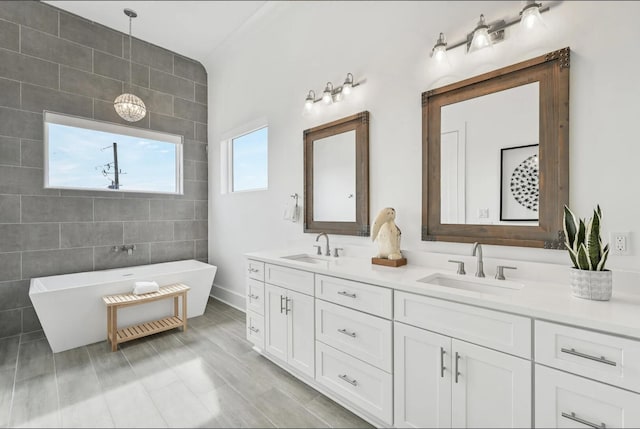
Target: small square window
column 248, row 161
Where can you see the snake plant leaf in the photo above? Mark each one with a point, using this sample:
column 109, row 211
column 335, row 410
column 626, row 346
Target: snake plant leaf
column 574, row 257
column 593, row 240
column 570, row 227
column 584, row 263
column 580, row 235
column 603, row 259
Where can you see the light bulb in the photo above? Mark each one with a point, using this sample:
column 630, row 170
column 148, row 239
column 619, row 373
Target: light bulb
column 308, row 102
column 327, row 94
column 439, row 51
column 348, row 84
column 531, row 17
column 481, row 38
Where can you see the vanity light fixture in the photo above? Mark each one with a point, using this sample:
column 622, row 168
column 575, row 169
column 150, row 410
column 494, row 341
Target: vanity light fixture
column 129, row 106
column 331, row 94
column 486, row 34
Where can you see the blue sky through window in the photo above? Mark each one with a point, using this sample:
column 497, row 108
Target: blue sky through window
column 78, row 156
column 250, row 161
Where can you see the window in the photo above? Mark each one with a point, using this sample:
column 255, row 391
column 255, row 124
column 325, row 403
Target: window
column 247, row 161
column 87, row 154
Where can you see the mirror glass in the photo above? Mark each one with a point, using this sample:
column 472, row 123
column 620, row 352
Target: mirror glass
column 334, row 178
column 94, row 155
column 489, row 158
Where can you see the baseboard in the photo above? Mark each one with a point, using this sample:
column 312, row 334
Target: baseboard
column 229, row 297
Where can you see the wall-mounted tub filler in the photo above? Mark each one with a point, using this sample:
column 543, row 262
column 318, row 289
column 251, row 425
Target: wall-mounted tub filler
column 129, row 248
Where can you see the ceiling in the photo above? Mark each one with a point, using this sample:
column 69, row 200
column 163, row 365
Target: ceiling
column 192, row 28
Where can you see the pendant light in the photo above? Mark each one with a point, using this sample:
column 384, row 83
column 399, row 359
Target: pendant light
column 129, row 106
column 530, row 16
column 439, row 51
column 481, row 38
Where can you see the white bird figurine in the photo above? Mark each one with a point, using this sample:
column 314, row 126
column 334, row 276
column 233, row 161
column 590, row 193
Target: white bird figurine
column 387, row 234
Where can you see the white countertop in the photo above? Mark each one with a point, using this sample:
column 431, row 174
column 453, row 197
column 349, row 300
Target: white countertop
column 539, row 300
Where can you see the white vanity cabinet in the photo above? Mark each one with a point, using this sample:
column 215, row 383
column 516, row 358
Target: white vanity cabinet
column 289, row 326
column 442, row 381
column 566, row 398
column 255, row 302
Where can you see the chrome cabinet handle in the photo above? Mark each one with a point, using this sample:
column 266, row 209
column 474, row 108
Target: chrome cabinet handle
column 253, row 270
column 442, row 367
column 256, row 330
column 346, row 378
column 347, row 294
column 252, row 296
column 344, row 331
column 287, row 309
column 282, row 307
column 457, row 372
column 572, row 416
column 600, row 359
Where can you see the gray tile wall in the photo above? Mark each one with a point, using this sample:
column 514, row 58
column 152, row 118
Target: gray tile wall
column 53, row 60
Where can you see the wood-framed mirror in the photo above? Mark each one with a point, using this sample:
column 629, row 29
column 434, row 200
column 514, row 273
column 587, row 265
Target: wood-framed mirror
column 495, row 156
column 336, row 176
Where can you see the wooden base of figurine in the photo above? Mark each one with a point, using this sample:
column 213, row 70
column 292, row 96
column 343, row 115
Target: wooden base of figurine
column 389, row 262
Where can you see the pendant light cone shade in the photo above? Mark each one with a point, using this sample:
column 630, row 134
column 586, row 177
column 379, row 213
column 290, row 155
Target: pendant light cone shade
column 327, row 94
column 308, row 102
column 129, row 106
column 481, row 38
column 530, row 16
column 347, row 86
column 439, row 51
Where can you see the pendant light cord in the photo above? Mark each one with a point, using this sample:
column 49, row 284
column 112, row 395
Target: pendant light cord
column 130, row 64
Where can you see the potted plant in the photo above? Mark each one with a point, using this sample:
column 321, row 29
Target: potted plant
column 589, row 279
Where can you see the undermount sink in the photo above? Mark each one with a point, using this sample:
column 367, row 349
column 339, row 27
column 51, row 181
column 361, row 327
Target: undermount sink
column 310, row 259
column 475, row 284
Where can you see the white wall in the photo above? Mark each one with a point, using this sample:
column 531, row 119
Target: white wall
column 266, row 69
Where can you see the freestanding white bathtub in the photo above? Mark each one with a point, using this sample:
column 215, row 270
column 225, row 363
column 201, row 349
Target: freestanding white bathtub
column 72, row 313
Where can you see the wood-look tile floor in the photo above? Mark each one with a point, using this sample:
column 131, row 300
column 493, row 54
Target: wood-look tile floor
column 206, row 377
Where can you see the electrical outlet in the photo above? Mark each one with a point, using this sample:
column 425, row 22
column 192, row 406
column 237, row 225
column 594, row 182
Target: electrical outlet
column 483, row 213
column 620, row 243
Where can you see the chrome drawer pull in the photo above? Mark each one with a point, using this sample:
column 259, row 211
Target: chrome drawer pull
column 253, row 270
column 344, row 331
column 345, row 293
column 457, row 372
column 282, row 305
column 256, row 330
column 252, row 296
column 348, row 380
column 442, row 367
column 287, row 309
column 600, row 359
column 572, row 416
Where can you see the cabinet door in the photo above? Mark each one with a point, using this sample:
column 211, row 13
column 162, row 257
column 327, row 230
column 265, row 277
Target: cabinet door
column 422, row 378
column 276, row 322
column 301, row 352
column 492, row 389
column 568, row 401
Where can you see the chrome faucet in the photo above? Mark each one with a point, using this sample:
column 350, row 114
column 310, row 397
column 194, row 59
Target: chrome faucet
column 327, row 251
column 477, row 248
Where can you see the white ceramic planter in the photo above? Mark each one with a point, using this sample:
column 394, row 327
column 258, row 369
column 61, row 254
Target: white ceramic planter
column 595, row 285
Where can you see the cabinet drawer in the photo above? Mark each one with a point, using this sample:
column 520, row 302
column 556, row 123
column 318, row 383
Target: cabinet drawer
column 568, row 401
column 361, row 296
column 297, row 280
column 607, row 358
column 493, row 329
column 255, row 296
column 255, row 329
column 362, row 384
column 255, row 270
column 358, row 334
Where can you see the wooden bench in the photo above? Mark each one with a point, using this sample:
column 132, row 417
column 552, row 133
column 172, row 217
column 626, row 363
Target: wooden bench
column 114, row 302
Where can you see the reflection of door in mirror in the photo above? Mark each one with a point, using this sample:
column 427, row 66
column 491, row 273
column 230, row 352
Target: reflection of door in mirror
column 334, row 178
column 489, row 158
